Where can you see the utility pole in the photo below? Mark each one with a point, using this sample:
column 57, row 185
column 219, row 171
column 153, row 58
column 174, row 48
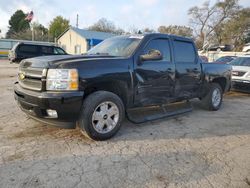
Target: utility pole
column 77, row 18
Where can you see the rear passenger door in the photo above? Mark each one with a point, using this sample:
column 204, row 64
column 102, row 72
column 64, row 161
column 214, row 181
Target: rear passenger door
column 188, row 69
column 27, row 51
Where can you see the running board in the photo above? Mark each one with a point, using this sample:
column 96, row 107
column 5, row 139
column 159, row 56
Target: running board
column 141, row 115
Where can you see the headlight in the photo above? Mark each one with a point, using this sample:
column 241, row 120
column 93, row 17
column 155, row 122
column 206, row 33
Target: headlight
column 62, row 79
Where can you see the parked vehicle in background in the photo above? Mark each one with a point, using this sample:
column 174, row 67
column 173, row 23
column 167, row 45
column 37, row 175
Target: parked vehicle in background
column 225, row 59
column 116, row 78
column 203, row 58
column 27, row 50
column 226, row 47
column 246, row 48
column 241, row 73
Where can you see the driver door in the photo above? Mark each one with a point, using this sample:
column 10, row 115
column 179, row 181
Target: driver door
column 154, row 78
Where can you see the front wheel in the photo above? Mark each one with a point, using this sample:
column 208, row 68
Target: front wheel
column 212, row 101
column 101, row 115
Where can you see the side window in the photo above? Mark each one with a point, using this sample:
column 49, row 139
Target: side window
column 58, row 50
column 159, row 44
column 184, row 52
column 47, row 50
column 28, row 48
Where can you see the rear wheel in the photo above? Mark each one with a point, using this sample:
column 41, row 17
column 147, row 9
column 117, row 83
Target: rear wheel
column 212, row 101
column 102, row 115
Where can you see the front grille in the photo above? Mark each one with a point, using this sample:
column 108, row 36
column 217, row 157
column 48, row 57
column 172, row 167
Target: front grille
column 238, row 73
column 32, row 78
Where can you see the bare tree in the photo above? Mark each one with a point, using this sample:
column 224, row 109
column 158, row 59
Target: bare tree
column 208, row 18
column 105, row 25
column 176, row 30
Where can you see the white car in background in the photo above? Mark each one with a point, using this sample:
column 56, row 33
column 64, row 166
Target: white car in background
column 241, row 73
column 246, row 48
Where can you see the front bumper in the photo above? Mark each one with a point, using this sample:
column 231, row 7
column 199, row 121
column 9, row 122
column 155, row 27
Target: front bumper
column 34, row 104
column 243, row 85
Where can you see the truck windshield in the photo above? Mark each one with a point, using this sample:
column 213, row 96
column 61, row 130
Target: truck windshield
column 117, row 46
column 241, row 61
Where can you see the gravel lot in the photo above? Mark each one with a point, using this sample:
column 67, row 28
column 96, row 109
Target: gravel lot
column 198, row 149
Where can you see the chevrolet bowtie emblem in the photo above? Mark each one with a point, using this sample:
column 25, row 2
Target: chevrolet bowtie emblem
column 21, row 75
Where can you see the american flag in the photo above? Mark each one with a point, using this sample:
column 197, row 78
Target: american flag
column 29, row 16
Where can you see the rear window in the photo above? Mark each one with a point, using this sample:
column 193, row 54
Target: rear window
column 28, row 48
column 184, row 52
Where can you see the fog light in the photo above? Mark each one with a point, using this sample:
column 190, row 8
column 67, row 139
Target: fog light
column 52, row 113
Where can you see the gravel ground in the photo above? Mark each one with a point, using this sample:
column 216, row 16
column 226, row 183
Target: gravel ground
column 198, row 149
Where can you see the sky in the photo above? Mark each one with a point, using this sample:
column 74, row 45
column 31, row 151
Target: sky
column 126, row 14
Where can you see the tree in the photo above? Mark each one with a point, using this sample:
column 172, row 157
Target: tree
column 237, row 29
column 206, row 19
column 176, row 30
column 105, row 25
column 40, row 32
column 17, row 24
column 57, row 26
column 148, row 30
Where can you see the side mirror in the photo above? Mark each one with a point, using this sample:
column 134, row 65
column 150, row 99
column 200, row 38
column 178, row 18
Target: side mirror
column 152, row 55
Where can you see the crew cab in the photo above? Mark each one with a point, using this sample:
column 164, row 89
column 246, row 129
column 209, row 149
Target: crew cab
column 96, row 90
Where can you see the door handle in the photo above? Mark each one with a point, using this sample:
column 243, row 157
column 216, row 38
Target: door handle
column 195, row 70
column 169, row 70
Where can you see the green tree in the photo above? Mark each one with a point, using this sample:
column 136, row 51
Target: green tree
column 105, row 25
column 17, row 24
column 176, row 30
column 57, row 26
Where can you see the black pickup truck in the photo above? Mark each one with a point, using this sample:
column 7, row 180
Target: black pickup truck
column 96, row 90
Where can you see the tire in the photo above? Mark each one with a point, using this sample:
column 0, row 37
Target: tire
column 212, row 101
column 101, row 115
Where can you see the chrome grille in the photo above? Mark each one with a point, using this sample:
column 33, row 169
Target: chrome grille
column 31, row 78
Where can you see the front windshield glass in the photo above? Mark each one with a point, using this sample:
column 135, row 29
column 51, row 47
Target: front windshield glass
column 241, row 61
column 117, row 46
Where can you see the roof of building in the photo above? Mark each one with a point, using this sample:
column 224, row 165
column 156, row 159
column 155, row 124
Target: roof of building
column 88, row 34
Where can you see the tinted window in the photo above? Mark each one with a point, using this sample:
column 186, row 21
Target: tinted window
column 47, row 50
column 159, row 44
column 184, row 52
column 28, row 48
column 58, row 51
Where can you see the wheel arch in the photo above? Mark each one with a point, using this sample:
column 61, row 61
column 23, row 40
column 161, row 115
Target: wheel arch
column 221, row 81
column 117, row 87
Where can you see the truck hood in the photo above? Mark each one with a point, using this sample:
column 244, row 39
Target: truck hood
column 57, row 60
column 241, row 68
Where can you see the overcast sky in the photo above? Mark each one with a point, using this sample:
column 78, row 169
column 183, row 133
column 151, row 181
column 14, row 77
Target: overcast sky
column 126, row 14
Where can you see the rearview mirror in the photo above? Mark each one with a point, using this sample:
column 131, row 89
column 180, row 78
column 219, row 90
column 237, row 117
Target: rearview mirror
column 152, row 55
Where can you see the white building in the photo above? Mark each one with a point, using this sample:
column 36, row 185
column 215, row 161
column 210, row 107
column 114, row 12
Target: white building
column 78, row 41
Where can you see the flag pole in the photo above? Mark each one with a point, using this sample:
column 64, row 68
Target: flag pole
column 32, row 31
